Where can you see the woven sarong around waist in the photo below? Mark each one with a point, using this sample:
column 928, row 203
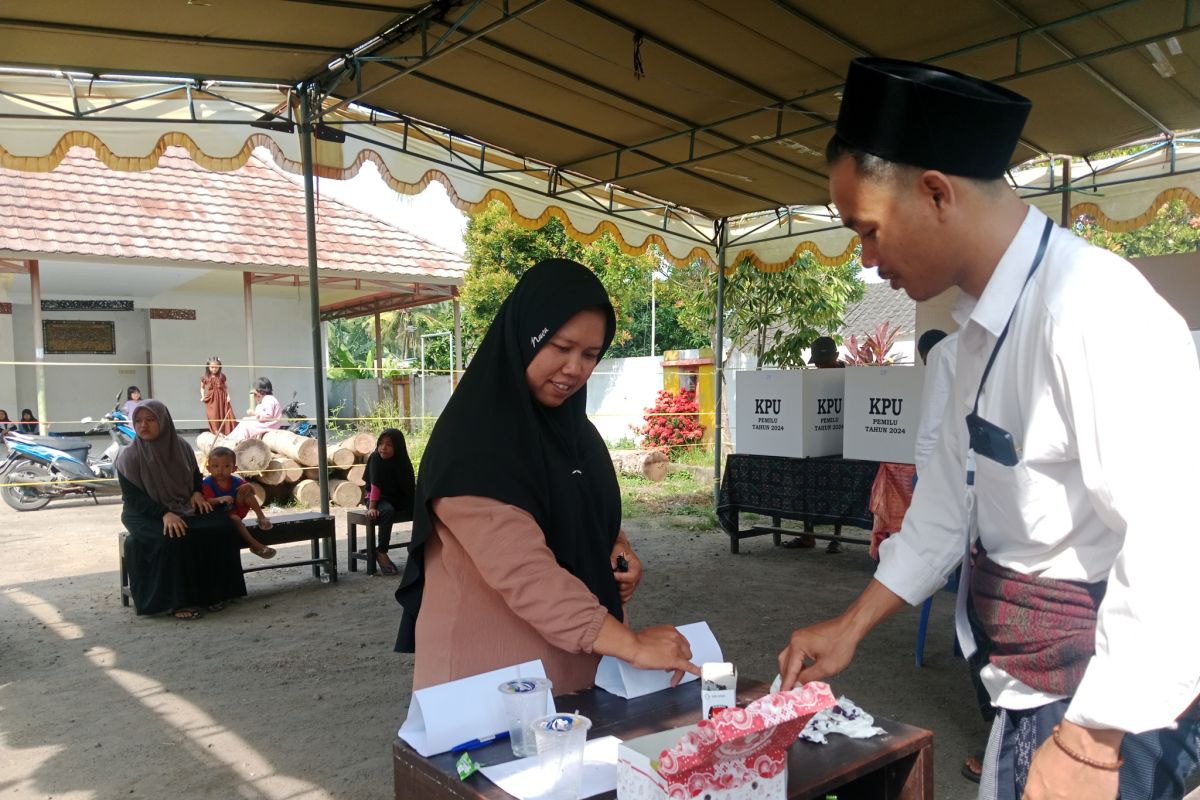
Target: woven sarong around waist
column 1041, row 631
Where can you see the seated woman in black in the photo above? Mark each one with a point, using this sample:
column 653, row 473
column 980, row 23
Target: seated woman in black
column 182, row 554
column 391, row 485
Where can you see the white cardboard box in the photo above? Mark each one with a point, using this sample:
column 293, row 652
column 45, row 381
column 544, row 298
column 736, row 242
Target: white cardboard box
column 883, row 409
column 740, row 754
column 792, row 412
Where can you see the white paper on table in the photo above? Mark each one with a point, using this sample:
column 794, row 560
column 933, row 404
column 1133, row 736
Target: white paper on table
column 521, row 778
column 623, row 680
column 444, row 716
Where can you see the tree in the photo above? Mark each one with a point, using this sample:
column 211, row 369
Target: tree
column 668, row 316
column 778, row 314
column 1173, row 229
column 499, row 251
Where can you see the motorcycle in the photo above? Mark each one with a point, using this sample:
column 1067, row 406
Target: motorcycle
column 39, row 469
column 293, row 413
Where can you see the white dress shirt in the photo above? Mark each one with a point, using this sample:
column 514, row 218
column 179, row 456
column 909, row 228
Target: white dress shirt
column 1098, row 384
column 939, row 380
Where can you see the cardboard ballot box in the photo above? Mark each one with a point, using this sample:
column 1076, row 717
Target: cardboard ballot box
column 791, row 412
column 740, row 754
column 883, row 409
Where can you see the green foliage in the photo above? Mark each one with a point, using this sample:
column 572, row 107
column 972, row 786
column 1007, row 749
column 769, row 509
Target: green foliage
column 500, row 250
column 777, row 315
column 1174, row 229
column 351, row 343
column 680, row 499
column 667, row 317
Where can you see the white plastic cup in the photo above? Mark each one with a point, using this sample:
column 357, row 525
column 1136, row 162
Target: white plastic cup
column 524, row 701
column 560, row 740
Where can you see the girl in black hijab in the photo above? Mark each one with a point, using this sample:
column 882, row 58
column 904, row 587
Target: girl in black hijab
column 517, row 520
column 390, row 486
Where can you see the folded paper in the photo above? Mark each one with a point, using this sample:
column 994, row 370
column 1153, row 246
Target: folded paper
column 444, row 716
column 624, row 680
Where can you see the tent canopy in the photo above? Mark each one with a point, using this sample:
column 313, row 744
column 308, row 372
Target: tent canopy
column 722, row 108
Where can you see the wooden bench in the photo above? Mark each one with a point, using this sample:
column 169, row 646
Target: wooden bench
column 308, row 526
column 354, row 518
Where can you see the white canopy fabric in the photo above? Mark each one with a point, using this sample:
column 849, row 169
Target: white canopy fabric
column 130, row 124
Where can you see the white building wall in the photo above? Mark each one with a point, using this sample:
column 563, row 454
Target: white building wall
column 619, row 392
column 282, row 347
column 79, row 385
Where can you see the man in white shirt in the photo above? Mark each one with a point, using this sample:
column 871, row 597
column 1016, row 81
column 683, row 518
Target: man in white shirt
column 938, row 353
column 1084, row 441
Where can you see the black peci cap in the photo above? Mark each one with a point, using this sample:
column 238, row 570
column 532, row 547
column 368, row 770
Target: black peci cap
column 930, row 117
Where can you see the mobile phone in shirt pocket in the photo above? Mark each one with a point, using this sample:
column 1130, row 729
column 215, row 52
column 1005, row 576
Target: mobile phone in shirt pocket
column 990, row 441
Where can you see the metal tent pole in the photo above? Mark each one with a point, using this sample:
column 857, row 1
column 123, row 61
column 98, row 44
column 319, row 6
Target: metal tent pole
column 719, row 354
column 1066, row 193
column 314, row 292
column 39, row 345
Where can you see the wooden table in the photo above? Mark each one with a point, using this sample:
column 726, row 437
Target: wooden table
column 897, row 765
column 817, row 491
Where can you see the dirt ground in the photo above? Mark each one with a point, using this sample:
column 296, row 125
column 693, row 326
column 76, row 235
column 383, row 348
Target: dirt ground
column 294, row 692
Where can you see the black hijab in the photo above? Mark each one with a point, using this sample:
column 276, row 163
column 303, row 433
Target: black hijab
column 494, row 440
column 394, row 476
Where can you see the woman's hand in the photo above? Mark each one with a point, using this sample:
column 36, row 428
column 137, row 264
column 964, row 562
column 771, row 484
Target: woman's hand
column 173, row 526
column 201, row 503
column 372, row 513
column 663, row 647
column 628, row 580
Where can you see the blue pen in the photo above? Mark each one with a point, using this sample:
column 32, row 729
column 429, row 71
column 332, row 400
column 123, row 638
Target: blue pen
column 475, row 744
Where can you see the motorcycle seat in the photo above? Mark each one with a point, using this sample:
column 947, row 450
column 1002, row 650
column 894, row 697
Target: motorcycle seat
column 72, row 446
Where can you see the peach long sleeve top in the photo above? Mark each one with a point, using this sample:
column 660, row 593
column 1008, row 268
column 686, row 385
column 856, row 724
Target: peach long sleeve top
column 495, row 596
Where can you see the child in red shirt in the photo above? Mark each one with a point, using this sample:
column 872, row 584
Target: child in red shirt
column 222, row 487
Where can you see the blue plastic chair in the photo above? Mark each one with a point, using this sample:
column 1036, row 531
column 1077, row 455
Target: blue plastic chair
column 952, row 587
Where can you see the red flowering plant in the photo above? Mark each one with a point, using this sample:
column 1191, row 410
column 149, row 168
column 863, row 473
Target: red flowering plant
column 672, row 424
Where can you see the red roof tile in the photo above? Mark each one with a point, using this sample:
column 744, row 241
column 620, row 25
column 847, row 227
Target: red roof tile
column 252, row 218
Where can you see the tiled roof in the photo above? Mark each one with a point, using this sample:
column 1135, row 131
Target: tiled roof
column 880, row 304
column 252, row 218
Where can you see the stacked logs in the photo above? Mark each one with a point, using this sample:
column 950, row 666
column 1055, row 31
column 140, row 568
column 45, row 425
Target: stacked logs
column 283, row 465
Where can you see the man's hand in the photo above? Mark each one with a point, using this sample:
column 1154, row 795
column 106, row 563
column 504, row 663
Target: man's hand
column 173, row 526
column 1053, row 774
column 816, row 652
column 826, row 648
column 628, row 580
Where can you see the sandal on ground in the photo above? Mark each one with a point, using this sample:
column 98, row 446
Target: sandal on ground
column 385, row 564
column 800, row 542
column 217, row 607
column 186, row 613
column 833, row 547
column 265, row 552
column 972, row 768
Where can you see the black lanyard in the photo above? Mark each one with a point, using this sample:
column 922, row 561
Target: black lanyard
column 1037, row 260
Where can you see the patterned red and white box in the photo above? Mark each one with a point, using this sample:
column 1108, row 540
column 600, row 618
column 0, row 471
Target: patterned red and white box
column 740, row 754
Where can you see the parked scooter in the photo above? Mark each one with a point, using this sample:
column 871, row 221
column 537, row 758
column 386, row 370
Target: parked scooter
column 295, row 421
column 39, row 469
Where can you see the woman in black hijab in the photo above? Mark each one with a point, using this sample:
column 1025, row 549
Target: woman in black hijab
column 390, row 487
column 517, row 520
column 182, row 555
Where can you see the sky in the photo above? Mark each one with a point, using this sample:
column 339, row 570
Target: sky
column 429, row 215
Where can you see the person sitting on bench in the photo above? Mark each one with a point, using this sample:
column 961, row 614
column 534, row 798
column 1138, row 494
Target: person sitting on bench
column 223, row 488
column 182, row 555
column 392, row 484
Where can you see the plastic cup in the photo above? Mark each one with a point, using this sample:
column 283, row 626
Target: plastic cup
column 560, row 740
column 524, row 701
